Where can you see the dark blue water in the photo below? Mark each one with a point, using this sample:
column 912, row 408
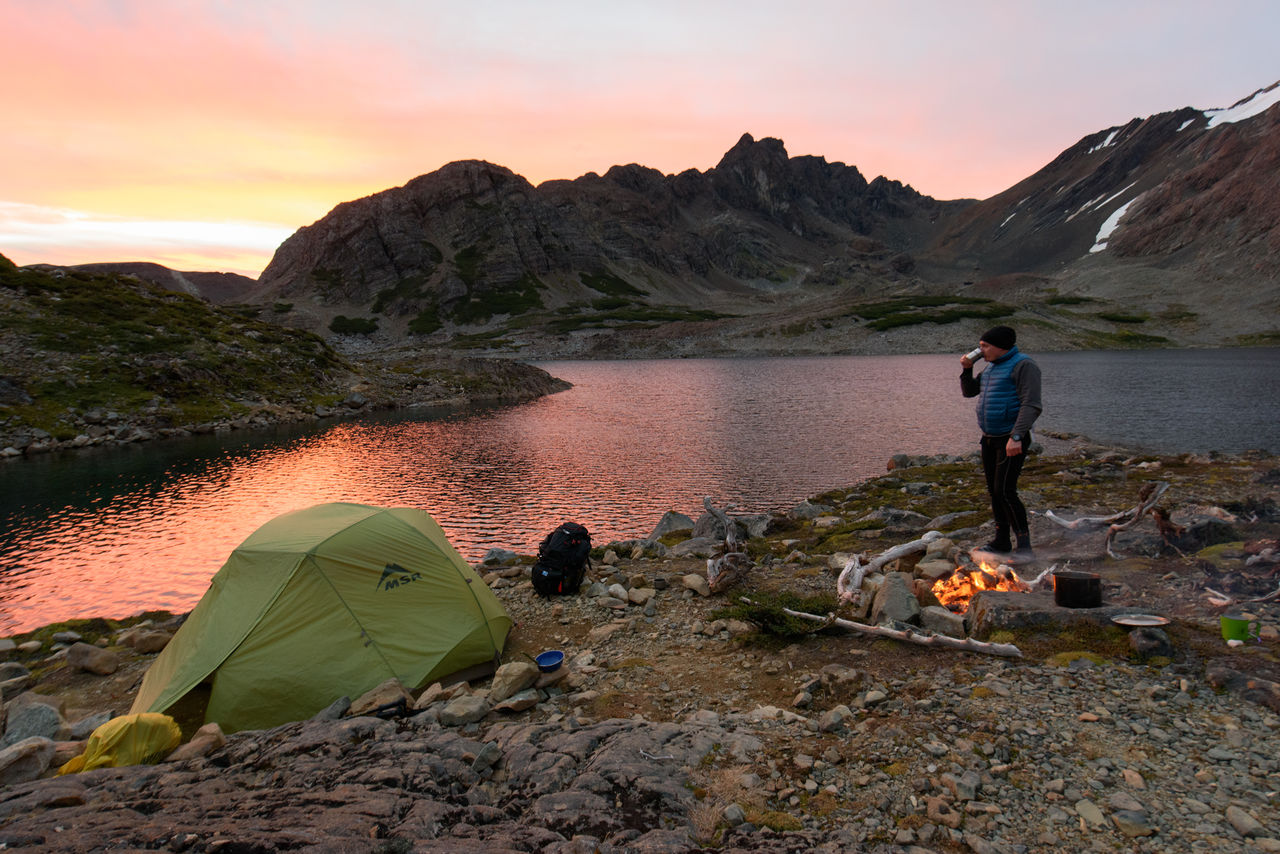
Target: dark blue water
column 111, row 532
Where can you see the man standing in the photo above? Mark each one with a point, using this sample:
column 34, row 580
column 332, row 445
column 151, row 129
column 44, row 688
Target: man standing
column 1008, row 393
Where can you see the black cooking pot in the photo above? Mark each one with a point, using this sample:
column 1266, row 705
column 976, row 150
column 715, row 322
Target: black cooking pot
column 1073, row 589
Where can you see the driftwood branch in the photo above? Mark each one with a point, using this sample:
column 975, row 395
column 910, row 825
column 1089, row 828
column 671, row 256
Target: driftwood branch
column 1085, row 521
column 849, row 583
column 1222, row 600
column 732, row 564
column 1118, row 522
column 1006, row 650
column 1148, row 497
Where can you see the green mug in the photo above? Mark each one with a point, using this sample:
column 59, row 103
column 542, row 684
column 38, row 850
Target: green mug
column 1240, row 627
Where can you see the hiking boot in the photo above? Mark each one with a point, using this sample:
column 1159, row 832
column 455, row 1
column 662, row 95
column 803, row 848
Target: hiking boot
column 1024, row 554
column 998, row 547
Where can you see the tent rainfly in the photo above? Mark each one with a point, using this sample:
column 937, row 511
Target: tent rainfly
column 322, row 603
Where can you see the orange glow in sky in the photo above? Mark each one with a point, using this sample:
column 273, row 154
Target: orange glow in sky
column 200, row 134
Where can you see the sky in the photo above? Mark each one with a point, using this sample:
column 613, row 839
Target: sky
column 200, row 134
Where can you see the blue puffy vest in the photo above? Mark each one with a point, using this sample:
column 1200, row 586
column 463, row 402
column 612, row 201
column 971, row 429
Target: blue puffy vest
column 998, row 402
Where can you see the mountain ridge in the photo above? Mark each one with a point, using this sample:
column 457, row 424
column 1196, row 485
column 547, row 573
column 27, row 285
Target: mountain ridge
column 474, row 256
column 1161, row 231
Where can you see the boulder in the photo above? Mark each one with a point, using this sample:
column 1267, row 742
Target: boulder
column 65, row 751
column 147, row 643
column 835, row 719
column 546, row 680
column 600, row 634
column 671, row 522
column 697, row 584
column 31, row 698
column 26, row 760
column 13, row 687
column 31, row 721
column 937, row 547
column 499, row 557
column 941, row 621
column 512, row 678
column 91, row 659
column 757, row 524
column 993, row 610
column 709, row 527
column 902, row 520
column 334, row 711
column 518, row 702
column 935, row 569
column 807, row 510
column 464, row 710
column 12, row 670
column 384, row 696
column 1149, row 642
column 433, row 693
column 206, row 740
column 895, row 600
column 640, row 595
column 83, row 728
column 696, row 547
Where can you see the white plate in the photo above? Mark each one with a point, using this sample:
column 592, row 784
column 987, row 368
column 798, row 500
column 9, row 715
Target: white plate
column 1140, row 620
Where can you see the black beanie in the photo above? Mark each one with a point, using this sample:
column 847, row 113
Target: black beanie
column 1000, row 336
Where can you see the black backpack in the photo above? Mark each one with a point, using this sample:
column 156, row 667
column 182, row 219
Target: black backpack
column 562, row 561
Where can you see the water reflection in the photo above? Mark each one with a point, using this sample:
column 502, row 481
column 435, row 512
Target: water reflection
column 115, row 532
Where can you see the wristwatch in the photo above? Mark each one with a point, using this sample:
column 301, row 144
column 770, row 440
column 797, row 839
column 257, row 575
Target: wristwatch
column 1015, row 437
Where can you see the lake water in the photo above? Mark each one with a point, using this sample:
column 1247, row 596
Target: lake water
column 112, row 532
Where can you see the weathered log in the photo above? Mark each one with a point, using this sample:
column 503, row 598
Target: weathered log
column 1148, row 497
column 1006, row 650
column 731, row 565
column 850, row 580
column 1222, row 600
column 1085, row 521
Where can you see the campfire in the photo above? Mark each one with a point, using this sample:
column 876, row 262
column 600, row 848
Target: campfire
column 955, row 591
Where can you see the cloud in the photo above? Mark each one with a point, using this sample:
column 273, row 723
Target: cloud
column 275, row 112
column 36, row 234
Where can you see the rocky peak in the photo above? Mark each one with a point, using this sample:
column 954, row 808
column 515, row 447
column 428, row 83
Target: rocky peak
column 756, row 176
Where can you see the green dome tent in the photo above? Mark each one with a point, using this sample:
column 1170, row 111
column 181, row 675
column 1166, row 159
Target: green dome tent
column 323, row 603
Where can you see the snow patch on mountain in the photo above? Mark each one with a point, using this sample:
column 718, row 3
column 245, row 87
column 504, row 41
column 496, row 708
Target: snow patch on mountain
column 1255, row 104
column 1109, row 225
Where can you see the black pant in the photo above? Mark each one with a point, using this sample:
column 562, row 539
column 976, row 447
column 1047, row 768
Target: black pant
column 1002, row 473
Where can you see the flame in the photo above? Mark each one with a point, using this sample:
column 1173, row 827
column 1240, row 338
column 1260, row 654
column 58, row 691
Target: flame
column 955, row 591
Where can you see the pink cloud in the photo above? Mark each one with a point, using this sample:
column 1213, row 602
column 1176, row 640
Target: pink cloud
column 275, row 112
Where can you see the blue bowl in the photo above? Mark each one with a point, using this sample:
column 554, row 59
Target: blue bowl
column 550, row 661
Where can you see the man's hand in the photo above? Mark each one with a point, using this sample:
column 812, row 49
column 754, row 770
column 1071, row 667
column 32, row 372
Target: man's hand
column 966, row 362
column 1012, row 448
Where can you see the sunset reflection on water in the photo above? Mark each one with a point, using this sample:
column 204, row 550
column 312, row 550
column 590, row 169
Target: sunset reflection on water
column 113, row 532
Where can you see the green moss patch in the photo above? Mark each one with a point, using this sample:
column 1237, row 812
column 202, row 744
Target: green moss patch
column 610, row 285
column 909, row 311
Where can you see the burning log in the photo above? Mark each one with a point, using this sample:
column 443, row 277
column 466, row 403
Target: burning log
column 848, row 585
column 955, row 591
column 1006, row 650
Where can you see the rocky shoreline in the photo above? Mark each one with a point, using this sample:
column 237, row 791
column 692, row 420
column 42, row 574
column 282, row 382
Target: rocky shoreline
column 676, row 726
column 378, row 384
